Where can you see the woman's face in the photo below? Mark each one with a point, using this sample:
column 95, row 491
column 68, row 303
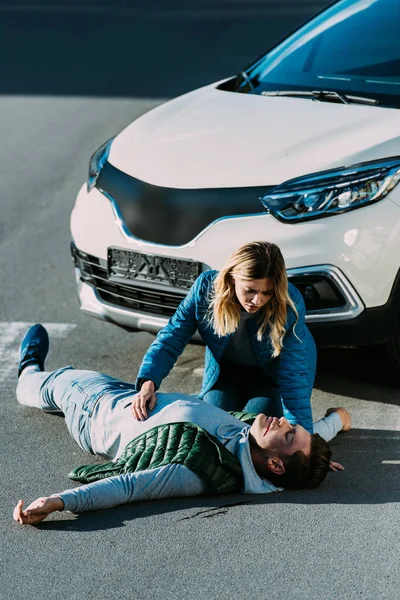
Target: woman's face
column 253, row 294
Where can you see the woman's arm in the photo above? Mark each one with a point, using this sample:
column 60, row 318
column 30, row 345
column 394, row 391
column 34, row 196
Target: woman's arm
column 172, row 340
column 295, row 376
column 164, row 482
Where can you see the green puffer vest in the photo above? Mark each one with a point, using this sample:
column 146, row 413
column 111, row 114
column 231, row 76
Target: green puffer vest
column 175, row 443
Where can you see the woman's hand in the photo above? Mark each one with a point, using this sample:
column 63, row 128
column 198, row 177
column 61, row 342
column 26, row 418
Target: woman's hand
column 343, row 414
column 38, row 510
column 145, row 396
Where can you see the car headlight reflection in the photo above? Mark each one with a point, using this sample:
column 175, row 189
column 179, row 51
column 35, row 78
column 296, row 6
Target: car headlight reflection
column 333, row 192
column 96, row 163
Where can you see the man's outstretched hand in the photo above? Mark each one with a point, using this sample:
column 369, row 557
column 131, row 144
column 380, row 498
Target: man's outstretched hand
column 146, row 396
column 38, row 510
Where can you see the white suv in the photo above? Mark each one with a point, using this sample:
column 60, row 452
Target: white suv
column 301, row 149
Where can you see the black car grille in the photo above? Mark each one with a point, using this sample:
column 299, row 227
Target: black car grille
column 94, row 271
column 172, row 216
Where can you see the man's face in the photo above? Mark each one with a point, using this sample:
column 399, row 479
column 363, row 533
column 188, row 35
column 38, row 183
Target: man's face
column 278, row 437
column 253, row 294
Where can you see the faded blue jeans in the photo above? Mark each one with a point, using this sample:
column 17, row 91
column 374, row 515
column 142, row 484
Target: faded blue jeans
column 71, row 392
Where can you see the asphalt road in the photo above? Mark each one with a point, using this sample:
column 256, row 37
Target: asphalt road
column 71, row 75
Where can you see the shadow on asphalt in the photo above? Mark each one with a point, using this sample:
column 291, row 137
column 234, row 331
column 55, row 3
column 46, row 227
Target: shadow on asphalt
column 134, row 48
column 362, row 373
column 371, row 476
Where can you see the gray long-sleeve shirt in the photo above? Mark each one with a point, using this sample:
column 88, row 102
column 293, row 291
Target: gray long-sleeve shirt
column 113, row 427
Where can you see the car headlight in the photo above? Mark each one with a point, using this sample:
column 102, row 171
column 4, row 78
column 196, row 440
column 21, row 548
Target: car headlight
column 96, row 163
column 333, row 192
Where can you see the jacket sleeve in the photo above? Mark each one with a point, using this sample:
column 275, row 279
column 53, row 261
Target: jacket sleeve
column 297, row 367
column 329, row 426
column 164, row 482
column 173, row 338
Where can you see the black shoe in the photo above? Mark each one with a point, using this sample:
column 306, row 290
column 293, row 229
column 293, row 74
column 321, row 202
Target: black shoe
column 34, row 348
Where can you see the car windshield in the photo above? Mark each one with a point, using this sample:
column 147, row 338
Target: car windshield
column 352, row 47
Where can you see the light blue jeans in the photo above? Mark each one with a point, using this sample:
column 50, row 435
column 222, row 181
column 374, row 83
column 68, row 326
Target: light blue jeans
column 71, row 392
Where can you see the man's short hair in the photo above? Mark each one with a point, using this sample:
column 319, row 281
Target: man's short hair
column 302, row 472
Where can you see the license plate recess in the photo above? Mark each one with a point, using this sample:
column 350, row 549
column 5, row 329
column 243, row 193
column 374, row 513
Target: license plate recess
column 126, row 266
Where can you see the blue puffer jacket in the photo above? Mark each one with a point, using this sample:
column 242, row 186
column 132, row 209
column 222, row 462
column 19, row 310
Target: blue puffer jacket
column 293, row 371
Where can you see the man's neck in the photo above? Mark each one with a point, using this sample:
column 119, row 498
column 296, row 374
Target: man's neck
column 258, row 457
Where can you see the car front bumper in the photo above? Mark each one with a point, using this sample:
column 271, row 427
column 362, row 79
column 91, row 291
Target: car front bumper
column 356, row 253
column 370, row 326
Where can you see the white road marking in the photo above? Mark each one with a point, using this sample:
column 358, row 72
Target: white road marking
column 11, row 335
column 390, row 462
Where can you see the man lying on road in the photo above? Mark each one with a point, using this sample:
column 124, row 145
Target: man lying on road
column 185, row 448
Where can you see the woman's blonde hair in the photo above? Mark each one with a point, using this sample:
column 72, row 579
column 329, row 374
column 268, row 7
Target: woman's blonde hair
column 255, row 260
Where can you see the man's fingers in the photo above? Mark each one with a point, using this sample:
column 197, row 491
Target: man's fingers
column 25, row 517
column 35, row 513
column 338, row 466
column 335, row 466
column 18, row 511
column 32, row 520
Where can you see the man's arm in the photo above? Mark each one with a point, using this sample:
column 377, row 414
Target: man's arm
column 334, row 421
column 164, row 482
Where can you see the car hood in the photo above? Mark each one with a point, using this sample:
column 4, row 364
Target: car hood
column 211, row 138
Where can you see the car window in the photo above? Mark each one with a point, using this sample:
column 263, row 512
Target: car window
column 353, row 46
